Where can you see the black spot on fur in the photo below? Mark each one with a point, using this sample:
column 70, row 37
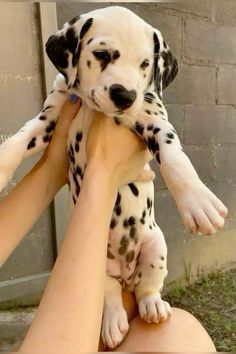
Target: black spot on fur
column 76, row 147
column 158, row 158
column 139, row 128
column 46, row 138
column 152, row 266
column 115, row 55
column 118, row 199
column 77, row 191
column 78, row 170
column 124, row 243
column 156, row 130
column 125, row 223
column 73, row 20
column 86, row 27
column 134, row 189
column 79, row 136
column 109, row 254
column 150, row 227
column 150, row 127
column 130, row 256
column 162, row 258
column 132, row 232
column 149, row 97
column 140, row 274
column 147, row 111
column 117, row 209
column 32, row 143
column 144, row 64
column 149, row 203
column 142, row 220
column 75, row 180
column 159, row 105
column 89, row 64
column 168, row 141
column 131, row 221
column 74, row 200
column 42, row 117
column 113, row 223
column 153, row 144
column 51, row 126
column 170, row 135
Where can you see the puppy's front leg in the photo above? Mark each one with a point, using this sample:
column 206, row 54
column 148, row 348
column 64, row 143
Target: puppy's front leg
column 34, row 136
column 200, row 209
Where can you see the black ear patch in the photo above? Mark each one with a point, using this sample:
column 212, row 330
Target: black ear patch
column 86, row 27
column 56, row 48
column 171, row 68
column 64, row 47
column 163, row 74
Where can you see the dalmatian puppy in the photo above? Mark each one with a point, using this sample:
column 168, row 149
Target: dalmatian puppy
column 119, row 64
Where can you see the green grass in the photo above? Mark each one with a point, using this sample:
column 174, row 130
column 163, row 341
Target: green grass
column 211, row 299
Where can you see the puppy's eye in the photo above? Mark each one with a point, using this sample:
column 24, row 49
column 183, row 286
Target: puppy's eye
column 102, row 55
column 144, row 64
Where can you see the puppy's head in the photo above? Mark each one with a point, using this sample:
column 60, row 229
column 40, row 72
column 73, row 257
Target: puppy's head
column 112, row 57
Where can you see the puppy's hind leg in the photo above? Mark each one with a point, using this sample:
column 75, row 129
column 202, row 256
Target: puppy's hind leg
column 115, row 322
column 150, row 276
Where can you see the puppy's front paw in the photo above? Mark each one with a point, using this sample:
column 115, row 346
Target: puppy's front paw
column 153, row 309
column 201, row 210
column 114, row 326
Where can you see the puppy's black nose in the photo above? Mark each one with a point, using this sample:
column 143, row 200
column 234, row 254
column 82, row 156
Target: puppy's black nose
column 121, row 97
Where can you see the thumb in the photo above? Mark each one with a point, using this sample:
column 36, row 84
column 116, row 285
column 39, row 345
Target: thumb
column 69, row 111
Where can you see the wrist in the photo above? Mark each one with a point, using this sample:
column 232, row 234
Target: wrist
column 97, row 170
column 55, row 179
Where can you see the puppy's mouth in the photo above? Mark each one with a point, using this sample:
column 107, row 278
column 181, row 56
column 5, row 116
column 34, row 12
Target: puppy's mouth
column 93, row 98
column 101, row 102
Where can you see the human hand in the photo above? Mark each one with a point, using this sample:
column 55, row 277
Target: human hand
column 56, row 155
column 117, row 151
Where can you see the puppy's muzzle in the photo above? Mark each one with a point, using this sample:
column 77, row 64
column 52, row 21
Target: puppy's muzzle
column 121, row 97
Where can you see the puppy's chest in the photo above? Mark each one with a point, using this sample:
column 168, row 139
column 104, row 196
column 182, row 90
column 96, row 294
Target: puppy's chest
column 133, row 214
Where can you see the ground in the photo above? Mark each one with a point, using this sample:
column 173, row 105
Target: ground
column 212, row 299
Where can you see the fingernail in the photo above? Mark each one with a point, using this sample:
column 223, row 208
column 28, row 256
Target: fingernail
column 73, row 98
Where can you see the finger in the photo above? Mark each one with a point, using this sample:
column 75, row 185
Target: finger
column 69, row 111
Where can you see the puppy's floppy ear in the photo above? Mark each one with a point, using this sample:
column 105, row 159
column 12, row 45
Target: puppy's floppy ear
column 63, row 48
column 165, row 64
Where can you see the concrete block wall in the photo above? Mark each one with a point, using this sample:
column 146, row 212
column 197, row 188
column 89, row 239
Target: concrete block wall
column 202, row 106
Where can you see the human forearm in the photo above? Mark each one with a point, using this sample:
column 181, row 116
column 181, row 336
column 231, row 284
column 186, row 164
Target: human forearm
column 24, row 205
column 79, row 272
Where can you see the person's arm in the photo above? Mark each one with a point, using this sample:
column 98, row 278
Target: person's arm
column 70, row 313
column 24, row 204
